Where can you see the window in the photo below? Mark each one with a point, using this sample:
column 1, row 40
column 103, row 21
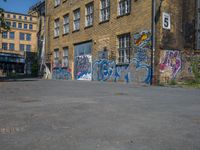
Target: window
column 5, row 46
column 20, row 17
column 124, row 7
column 76, row 19
column 21, row 47
column 66, row 24
column 105, row 10
column 8, row 23
column 12, row 35
column 30, row 26
column 56, row 57
column 25, row 26
column 28, row 48
column 25, row 18
column 14, row 16
column 28, row 37
column 65, row 57
column 89, row 14
column 56, row 3
column 14, row 24
column 124, row 48
column 56, row 28
column 12, row 46
column 21, row 36
column 20, row 25
column 4, row 35
column 31, row 18
column 8, row 15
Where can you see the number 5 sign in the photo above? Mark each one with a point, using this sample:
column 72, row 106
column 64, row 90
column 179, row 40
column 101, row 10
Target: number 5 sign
column 166, row 21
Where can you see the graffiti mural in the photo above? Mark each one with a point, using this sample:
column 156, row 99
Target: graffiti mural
column 106, row 70
column 61, row 73
column 170, row 64
column 138, row 70
column 142, row 46
column 103, row 70
column 83, row 65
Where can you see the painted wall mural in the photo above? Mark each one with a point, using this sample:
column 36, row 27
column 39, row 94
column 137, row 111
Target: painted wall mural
column 61, row 73
column 83, row 67
column 170, row 64
column 138, row 70
column 142, row 46
column 106, row 70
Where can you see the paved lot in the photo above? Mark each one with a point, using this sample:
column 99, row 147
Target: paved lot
column 72, row 115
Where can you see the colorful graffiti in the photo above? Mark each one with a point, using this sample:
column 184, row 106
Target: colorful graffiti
column 83, row 67
column 61, row 73
column 170, row 63
column 106, row 70
column 142, row 46
column 138, row 70
column 103, row 70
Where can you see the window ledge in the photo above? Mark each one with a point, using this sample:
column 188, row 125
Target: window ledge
column 88, row 26
column 55, row 37
column 56, row 6
column 104, row 21
column 75, row 31
column 65, row 34
column 127, row 14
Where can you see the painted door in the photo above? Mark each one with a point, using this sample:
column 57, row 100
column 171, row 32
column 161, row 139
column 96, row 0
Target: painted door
column 83, row 61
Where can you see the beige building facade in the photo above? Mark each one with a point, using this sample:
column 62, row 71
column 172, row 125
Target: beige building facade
column 18, row 45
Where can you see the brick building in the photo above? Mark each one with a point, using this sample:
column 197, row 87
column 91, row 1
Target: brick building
column 38, row 10
column 178, row 48
column 108, row 40
column 18, row 45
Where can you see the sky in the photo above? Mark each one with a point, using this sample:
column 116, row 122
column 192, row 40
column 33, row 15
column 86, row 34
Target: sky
column 19, row 6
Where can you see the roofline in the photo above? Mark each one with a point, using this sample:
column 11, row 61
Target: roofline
column 36, row 5
column 18, row 13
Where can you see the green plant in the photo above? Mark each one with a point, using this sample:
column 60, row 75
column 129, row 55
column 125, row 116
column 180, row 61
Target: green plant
column 172, row 82
column 195, row 63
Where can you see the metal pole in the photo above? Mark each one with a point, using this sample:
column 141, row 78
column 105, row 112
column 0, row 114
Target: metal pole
column 153, row 30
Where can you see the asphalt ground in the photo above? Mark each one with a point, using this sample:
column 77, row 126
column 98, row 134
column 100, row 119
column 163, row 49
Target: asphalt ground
column 77, row 115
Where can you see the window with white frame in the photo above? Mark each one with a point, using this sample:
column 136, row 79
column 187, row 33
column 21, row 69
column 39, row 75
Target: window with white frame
column 124, row 7
column 89, row 14
column 65, row 24
column 56, row 3
column 124, row 48
column 76, row 19
column 56, row 57
column 105, row 10
column 56, row 28
column 65, row 57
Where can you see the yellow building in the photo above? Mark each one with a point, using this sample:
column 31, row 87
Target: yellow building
column 18, row 45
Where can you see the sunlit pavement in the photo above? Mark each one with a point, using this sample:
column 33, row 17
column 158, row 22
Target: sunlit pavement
column 77, row 115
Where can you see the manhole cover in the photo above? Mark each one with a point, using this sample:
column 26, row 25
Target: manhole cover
column 121, row 94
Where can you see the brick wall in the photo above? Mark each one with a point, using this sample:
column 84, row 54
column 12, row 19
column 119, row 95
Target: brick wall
column 101, row 34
